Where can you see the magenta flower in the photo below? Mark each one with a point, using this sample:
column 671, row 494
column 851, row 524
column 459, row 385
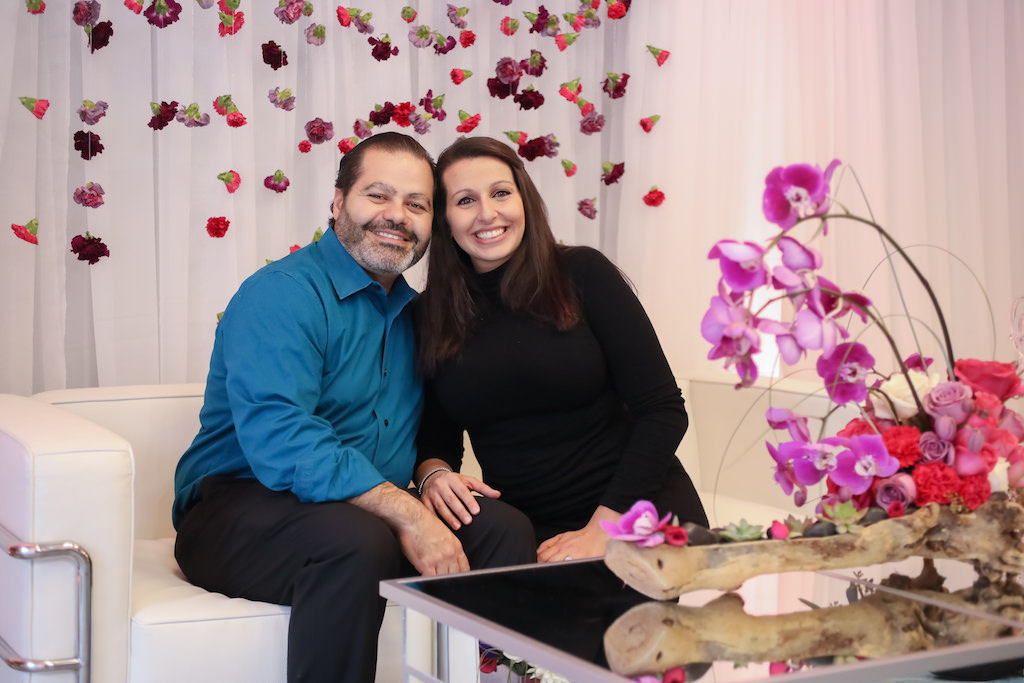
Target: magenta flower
column 433, row 105
column 742, row 264
column 92, row 112
column 89, row 195
column 732, row 331
column 640, row 523
column 420, row 123
column 845, row 372
column 362, row 23
column 162, row 13
column 362, row 129
column 507, row 71
column 610, row 173
column 277, row 182
column 899, row 488
column 783, row 418
column 316, row 34
column 795, row 192
column 163, row 114
column 191, row 117
column 864, row 459
column 785, row 475
column 587, row 208
column 420, row 36
column 545, row 146
column 443, row 47
column 615, row 85
column 88, row 248
column 936, row 449
column 455, row 15
column 319, row 130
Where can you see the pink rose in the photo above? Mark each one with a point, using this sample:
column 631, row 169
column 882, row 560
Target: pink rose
column 994, row 377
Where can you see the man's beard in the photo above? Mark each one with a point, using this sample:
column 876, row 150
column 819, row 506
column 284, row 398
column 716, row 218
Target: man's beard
column 379, row 257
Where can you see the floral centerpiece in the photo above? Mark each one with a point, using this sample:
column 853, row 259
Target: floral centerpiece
column 927, row 431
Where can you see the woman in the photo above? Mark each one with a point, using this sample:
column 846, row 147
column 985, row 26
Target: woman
column 545, row 356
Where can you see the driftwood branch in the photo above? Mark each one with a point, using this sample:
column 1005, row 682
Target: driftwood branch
column 990, row 537
column 656, row 636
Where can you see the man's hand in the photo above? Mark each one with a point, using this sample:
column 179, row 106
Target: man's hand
column 590, row 541
column 430, row 545
column 449, row 495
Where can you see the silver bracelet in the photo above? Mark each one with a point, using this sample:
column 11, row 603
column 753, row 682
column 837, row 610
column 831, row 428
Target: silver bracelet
column 429, row 475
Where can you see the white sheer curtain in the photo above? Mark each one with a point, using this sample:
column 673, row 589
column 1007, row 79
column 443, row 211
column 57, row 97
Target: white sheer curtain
column 923, row 99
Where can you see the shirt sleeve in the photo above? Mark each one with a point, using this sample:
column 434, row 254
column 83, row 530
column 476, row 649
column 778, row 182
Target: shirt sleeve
column 275, row 333
column 640, row 375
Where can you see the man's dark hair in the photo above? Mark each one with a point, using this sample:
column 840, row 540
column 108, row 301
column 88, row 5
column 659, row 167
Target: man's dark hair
column 351, row 164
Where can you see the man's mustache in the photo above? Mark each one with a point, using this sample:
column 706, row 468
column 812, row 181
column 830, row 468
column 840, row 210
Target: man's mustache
column 391, row 226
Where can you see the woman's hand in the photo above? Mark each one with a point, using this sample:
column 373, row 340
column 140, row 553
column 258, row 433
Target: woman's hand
column 449, row 495
column 590, row 541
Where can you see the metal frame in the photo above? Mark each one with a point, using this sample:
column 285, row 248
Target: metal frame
column 81, row 663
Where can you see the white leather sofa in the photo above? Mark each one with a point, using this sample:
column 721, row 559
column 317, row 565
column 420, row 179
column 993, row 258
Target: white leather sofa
column 95, row 466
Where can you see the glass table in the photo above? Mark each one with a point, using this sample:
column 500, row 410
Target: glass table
column 555, row 617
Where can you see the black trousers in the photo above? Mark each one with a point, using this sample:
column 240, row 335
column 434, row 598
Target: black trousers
column 325, row 560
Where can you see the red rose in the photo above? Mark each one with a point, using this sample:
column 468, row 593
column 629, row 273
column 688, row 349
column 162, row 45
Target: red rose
column 903, row 443
column 975, row 491
column 217, row 226
column 936, row 482
column 992, row 376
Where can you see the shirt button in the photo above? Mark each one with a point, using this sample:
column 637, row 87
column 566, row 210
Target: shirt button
column 385, row 423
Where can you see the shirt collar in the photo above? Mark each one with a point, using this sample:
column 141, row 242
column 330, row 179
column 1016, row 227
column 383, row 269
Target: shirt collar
column 348, row 277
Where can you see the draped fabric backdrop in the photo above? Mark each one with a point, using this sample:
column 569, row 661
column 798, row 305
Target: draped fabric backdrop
column 924, row 100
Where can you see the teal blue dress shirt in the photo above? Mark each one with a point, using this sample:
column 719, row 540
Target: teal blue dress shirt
column 313, row 386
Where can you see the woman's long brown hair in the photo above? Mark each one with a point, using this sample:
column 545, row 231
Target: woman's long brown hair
column 535, row 281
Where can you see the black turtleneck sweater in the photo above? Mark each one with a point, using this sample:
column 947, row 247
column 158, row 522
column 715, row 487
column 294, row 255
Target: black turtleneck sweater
column 562, row 422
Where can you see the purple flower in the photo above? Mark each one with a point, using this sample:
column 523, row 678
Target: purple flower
column 382, row 116
column 640, row 523
column 506, row 3
column 864, row 459
column 949, row 403
column 615, row 85
column 191, row 117
column 455, row 16
column 545, row 146
column 785, row 475
column 446, row 46
column 99, row 35
column 316, row 34
column 783, row 418
column 362, row 129
column 162, row 13
column 420, row 36
column 290, row 11
column 282, row 99
column 810, row 461
column 936, row 449
column 89, row 248
column 91, row 112
column 535, row 64
column 591, row 123
column 915, row 362
column 742, row 264
column 319, row 130
column 432, row 105
column 278, row 182
column 85, row 12
column 361, row 24
column 899, row 488
column 845, row 372
column 529, row 99
column 420, row 124
column 89, row 195
column 587, row 208
column 795, row 192
column 732, row 331
column 507, row 71
column 163, row 114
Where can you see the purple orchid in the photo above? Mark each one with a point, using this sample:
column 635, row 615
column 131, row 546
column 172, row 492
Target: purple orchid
column 742, row 264
column 864, row 459
column 729, row 326
column 785, row 476
column 783, row 418
column 640, row 523
column 845, row 372
column 811, row 460
column 795, row 192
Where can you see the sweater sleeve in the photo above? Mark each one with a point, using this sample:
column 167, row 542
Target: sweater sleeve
column 640, row 375
column 276, row 332
column 439, row 435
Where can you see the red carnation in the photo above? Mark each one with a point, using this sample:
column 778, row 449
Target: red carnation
column 856, row 427
column 616, row 10
column 468, row 123
column 27, row 232
column 274, row 56
column 467, row 38
column 217, row 226
column 459, row 75
column 976, row 490
column 610, row 173
column 655, row 197
column 402, row 112
column 936, row 482
column 345, row 145
column 344, row 18
column 89, row 248
column 236, row 119
column 305, row 146
column 903, row 443
column 88, row 144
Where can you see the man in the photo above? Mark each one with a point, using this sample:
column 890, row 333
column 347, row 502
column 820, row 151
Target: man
column 293, row 492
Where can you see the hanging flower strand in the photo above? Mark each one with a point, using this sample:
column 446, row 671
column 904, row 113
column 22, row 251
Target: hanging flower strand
column 231, row 20
column 226, row 107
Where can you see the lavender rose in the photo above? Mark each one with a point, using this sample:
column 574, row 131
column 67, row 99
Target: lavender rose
column 936, row 449
column 899, row 488
column 949, row 399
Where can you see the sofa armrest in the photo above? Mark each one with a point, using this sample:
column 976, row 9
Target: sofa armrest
column 63, row 478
